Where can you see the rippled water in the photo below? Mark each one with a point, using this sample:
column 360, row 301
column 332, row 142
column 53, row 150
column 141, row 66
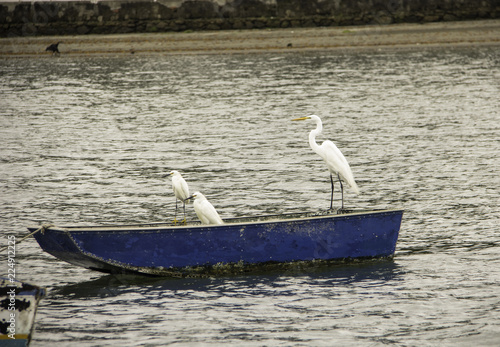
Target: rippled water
column 88, row 140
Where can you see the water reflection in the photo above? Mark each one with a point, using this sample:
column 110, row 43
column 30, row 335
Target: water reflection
column 373, row 273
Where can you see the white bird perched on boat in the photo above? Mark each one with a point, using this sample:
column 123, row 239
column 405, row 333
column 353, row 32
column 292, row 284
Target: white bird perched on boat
column 205, row 210
column 181, row 192
column 335, row 160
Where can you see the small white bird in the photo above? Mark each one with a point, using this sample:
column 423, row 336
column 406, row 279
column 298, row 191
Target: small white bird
column 205, row 210
column 335, row 160
column 181, row 192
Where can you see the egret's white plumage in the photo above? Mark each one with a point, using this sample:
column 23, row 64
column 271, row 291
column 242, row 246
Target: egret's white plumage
column 181, row 191
column 335, row 160
column 205, row 210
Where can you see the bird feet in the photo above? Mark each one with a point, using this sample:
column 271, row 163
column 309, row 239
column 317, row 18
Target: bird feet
column 338, row 210
column 343, row 210
column 180, row 222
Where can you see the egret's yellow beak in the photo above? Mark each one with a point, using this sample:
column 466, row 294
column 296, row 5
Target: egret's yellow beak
column 301, row 118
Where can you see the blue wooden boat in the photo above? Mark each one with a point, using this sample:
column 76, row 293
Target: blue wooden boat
column 240, row 244
column 18, row 306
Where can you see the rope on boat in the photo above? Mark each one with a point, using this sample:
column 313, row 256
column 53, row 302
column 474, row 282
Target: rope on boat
column 41, row 229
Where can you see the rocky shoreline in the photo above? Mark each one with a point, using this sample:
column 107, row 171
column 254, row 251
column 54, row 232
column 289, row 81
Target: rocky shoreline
column 90, row 17
column 483, row 32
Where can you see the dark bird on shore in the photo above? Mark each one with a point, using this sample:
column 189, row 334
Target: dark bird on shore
column 53, row 48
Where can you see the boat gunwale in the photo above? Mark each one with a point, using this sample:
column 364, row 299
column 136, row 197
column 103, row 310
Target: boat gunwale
column 264, row 219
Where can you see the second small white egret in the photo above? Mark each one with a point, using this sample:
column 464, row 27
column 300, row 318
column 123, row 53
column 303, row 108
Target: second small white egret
column 181, row 192
column 205, row 210
column 336, row 162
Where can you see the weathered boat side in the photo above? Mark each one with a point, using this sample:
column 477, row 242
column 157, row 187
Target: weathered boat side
column 162, row 248
column 18, row 306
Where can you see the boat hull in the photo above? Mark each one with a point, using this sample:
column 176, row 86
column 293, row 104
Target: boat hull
column 162, row 249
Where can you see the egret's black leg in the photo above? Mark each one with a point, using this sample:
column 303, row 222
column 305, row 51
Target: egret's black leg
column 342, row 191
column 175, row 215
column 184, row 207
column 331, row 198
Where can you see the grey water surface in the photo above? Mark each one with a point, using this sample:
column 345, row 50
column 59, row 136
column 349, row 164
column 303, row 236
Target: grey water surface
column 89, row 140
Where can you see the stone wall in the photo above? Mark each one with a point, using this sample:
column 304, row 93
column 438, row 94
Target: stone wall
column 137, row 16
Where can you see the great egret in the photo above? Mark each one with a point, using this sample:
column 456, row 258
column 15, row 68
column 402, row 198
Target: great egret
column 335, row 160
column 205, row 210
column 181, row 192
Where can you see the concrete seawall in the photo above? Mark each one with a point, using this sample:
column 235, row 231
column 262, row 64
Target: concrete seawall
column 149, row 16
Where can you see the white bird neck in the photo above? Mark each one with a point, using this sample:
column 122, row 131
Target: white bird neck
column 314, row 133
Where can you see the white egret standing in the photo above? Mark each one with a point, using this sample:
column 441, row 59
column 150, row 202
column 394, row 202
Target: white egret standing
column 335, row 160
column 205, row 210
column 181, row 192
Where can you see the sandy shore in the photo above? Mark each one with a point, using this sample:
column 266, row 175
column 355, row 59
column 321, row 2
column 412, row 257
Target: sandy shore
column 249, row 41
